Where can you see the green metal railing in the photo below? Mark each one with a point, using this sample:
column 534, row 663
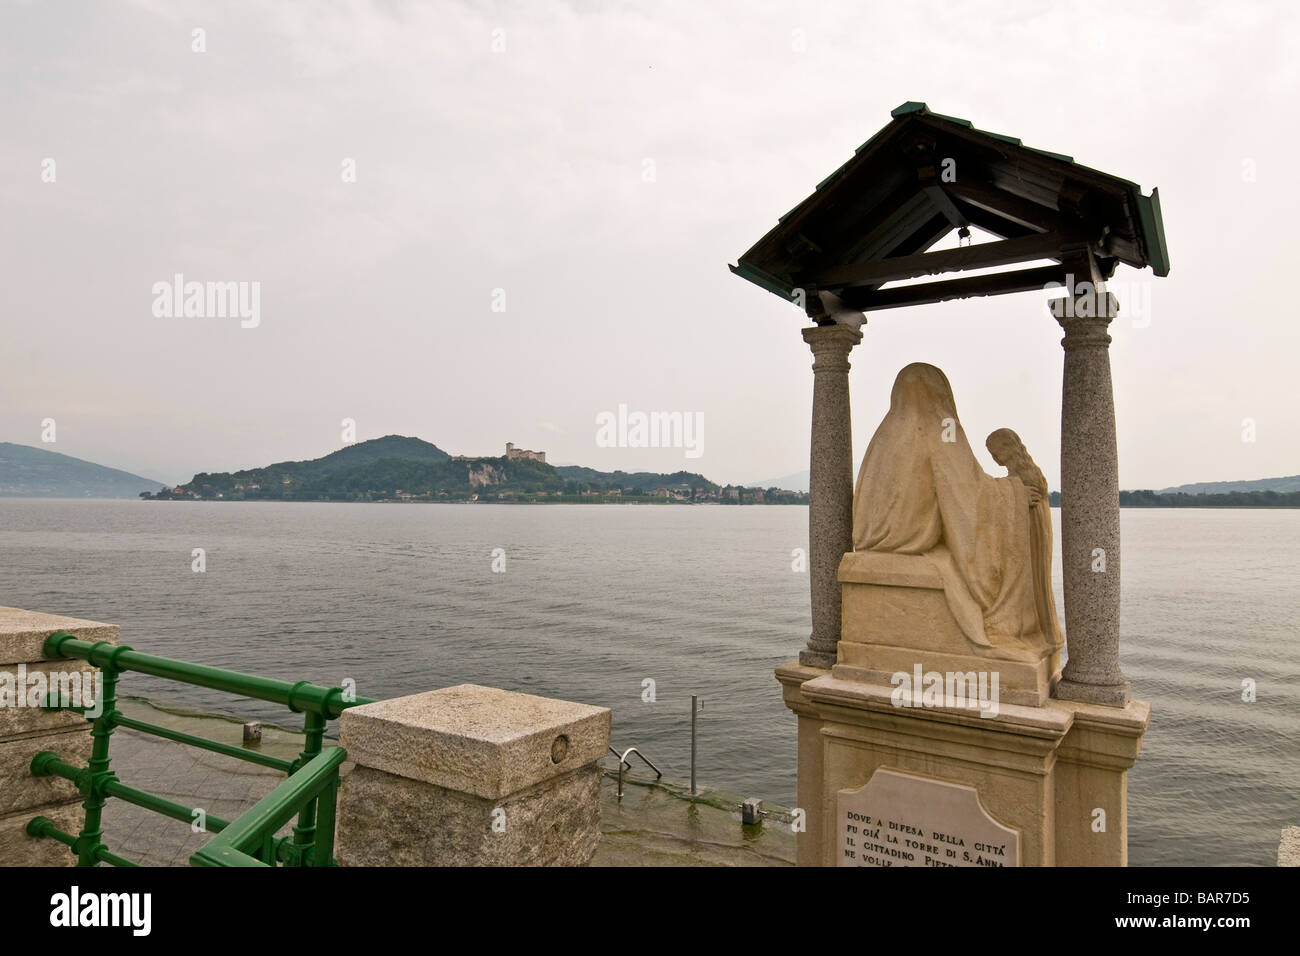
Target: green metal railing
column 310, row 792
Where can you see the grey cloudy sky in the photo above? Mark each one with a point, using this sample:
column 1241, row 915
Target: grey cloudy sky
column 522, row 169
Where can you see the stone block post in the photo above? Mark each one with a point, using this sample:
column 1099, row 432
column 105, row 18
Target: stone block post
column 830, row 486
column 26, row 676
column 471, row 776
column 1092, row 764
column 1288, row 851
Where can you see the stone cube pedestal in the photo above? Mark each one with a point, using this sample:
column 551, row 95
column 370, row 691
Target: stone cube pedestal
column 471, row 776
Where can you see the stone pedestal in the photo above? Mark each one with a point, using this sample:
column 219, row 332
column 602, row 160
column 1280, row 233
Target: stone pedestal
column 830, row 485
column 26, row 730
column 1038, row 773
column 896, row 619
column 471, row 776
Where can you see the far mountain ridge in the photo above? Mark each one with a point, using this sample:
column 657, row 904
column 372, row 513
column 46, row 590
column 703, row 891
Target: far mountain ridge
column 798, row 481
column 1281, row 485
column 30, row 472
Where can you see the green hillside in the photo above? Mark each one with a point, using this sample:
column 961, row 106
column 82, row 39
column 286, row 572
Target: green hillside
column 647, row 480
column 399, row 468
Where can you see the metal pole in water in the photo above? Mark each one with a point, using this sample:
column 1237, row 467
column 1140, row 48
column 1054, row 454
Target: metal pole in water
column 693, row 699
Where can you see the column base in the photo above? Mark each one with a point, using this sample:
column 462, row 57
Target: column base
column 1111, row 695
column 823, row 659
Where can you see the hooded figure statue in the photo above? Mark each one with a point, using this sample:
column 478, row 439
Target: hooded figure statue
column 921, row 491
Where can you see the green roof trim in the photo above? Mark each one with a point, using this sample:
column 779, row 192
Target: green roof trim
column 1153, row 230
column 911, row 106
column 781, row 219
column 955, row 119
column 1047, row 152
column 879, row 133
column 762, row 279
column 1014, row 141
column 834, row 174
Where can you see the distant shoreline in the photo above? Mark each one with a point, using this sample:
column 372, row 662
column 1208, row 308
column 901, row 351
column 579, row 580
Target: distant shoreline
column 1229, row 499
column 657, row 502
column 574, row 500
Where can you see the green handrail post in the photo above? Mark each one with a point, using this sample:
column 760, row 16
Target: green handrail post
column 310, row 790
column 248, row 834
column 304, row 833
column 89, row 842
column 327, row 809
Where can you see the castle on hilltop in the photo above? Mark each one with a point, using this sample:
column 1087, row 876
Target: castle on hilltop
column 513, row 452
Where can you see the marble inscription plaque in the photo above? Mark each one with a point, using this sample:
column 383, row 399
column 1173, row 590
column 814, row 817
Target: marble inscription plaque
column 899, row 819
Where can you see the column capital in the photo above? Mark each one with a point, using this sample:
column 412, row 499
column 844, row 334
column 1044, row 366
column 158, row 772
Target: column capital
column 831, row 345
column 1085, row 318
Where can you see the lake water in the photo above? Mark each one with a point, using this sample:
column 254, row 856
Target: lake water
column 596, row 600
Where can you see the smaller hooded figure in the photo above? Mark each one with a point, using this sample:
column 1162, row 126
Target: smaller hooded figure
column 1009, row 451
column 921, row 491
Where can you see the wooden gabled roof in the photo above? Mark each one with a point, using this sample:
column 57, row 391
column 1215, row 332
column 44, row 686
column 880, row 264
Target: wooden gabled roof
column 923, row 175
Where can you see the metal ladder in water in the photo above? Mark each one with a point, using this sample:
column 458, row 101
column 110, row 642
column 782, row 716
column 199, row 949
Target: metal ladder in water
column 624, row 765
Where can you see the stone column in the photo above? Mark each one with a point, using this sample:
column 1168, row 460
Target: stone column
column 471, row 776
column 830, row 485
column 1090, row 556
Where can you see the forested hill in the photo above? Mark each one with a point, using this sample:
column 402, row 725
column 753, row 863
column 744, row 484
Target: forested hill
column 401, row 468
column 648, row 480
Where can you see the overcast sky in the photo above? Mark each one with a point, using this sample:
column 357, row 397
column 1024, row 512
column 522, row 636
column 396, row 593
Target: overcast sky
column 504, row 146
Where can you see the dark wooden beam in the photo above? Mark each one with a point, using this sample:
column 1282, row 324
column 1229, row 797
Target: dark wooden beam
column 995, row 224
column 926, row 293
column 1022, row 212
column 984, row 256
column 940, row 199
column 889, row 232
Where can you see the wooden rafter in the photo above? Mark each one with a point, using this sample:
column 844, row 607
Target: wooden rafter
column 1022, row 212
column 986, row 255
column 1002, row 283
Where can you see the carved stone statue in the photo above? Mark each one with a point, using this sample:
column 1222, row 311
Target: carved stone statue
column 1009, row 451
column 922, row 492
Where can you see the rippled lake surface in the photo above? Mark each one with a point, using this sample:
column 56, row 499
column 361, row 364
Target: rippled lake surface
column 597, row 600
